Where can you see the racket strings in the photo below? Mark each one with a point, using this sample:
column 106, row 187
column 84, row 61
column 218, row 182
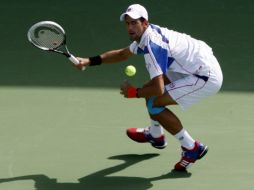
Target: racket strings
column 48, row 37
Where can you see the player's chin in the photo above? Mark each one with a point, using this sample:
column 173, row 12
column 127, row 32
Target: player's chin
column 132, row 37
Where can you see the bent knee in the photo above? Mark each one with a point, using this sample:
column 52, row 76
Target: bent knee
column 154, row 110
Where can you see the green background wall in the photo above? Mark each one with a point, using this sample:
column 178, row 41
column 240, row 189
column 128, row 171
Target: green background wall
column 93, row 27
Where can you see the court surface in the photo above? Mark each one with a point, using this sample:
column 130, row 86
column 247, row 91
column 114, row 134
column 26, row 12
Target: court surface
column 71, row 138
column 62, row 129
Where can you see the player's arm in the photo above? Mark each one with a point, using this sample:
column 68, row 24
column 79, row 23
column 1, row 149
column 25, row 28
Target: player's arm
column 112, row 56
column 154, row 87
column 165, row 78
column 115, row 56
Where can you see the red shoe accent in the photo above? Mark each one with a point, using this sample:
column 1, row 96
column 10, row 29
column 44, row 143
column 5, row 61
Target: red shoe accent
column 183, row 164
column 137, row 134
column 191, row 156
column 142, row 135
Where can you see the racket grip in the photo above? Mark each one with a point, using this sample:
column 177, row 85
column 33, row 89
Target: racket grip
column 74, row 60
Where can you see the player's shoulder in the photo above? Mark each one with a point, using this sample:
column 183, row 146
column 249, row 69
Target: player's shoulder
column 159, row 29
column 158, row 34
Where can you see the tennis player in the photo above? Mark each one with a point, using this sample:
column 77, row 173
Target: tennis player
column 183, row 71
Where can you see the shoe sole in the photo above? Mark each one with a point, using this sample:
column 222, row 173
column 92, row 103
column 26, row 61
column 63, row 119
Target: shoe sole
column 203, row 153
column 160, row 147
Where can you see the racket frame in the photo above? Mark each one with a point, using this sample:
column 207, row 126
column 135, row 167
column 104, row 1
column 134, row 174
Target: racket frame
column 72, row 58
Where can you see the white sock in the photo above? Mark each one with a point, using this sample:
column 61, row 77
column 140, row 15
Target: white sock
column 156, row 130
column 185, row 139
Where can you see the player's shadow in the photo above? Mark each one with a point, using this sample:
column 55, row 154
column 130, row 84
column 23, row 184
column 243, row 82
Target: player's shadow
column 101, row 179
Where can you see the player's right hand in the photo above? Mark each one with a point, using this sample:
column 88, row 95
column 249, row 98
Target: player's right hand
column 83, row 62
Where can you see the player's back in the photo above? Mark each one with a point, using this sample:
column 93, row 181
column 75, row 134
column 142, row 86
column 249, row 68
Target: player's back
column 185, row 50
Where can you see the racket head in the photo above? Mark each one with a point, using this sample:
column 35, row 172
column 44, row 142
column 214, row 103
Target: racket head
column 46, row 35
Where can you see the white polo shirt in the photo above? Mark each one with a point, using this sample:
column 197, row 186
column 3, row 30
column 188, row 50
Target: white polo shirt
column 189, row 64
column 171, row 53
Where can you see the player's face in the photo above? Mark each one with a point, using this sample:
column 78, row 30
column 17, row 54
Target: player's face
column 135, row 28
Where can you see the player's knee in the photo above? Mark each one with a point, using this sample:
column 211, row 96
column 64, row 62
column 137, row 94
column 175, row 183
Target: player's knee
column 151, row 109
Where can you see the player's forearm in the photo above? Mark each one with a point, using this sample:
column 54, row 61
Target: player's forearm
column 115, row 56
column 153, row 87
column 112, row 57
column 149, row 91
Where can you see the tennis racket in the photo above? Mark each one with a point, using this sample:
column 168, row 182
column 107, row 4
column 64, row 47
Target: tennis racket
column 50, row 36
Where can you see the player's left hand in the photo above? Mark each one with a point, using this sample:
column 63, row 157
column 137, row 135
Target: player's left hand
column 124, row 88
column 127, row 90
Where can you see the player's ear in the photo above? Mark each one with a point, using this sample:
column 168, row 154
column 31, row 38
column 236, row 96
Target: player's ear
column 144, row 22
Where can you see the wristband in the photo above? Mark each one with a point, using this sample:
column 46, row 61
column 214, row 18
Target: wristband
column 137, row 92
column 96, row 60
column 132, row 92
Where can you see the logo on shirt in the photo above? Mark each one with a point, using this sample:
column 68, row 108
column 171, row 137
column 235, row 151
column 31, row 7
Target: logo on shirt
column 172, row 85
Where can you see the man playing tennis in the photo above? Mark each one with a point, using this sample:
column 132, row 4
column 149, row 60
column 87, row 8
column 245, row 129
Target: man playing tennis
column 182, row 71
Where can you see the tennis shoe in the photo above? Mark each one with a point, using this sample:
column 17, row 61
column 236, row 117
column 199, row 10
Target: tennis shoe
column 142, row 135
column 189, row 157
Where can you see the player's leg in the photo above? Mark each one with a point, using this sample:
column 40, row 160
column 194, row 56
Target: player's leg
column 192, row 150
column 170, row 121
column 166, row 119
column 156, row 130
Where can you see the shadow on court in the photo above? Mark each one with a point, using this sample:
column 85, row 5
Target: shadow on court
column 101, row 180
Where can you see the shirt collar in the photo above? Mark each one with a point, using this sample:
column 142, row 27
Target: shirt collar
column 144, row 37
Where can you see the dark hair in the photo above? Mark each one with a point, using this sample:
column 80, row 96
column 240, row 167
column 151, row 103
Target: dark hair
column 142, row 19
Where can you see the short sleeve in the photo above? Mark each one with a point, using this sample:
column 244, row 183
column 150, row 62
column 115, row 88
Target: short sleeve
column 152, row 67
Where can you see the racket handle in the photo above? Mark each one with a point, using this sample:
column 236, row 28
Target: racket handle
column 74, row 60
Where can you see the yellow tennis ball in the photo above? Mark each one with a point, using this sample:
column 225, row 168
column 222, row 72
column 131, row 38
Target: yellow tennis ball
column 130, row 70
